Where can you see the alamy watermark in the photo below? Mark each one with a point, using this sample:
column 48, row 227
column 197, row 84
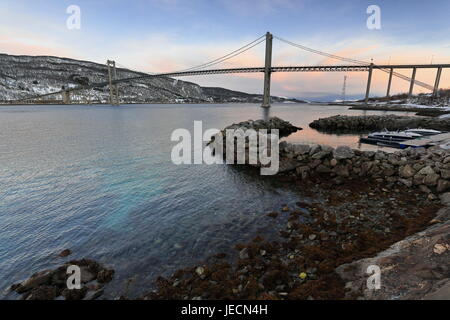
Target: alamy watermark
column 74, row 279
column 242, row 146
column 73, row 22
column 374, row 280
column 374, row 20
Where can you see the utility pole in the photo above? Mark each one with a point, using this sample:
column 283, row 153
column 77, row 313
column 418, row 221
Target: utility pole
column 267, row 71
column 112, row 75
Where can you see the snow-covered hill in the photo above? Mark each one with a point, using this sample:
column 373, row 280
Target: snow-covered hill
column 23, row 76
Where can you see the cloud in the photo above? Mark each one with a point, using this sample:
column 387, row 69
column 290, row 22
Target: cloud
column 260, row 7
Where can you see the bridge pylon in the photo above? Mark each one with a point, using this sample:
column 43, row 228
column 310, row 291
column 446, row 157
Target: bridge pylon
column 66, row 96
column 267, row 71
column 112, row 76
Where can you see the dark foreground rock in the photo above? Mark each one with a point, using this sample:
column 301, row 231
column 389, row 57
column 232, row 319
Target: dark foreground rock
column 367, row 123
column 417, row 267
column 51, row 284
column 285, row 128
column 356, row 221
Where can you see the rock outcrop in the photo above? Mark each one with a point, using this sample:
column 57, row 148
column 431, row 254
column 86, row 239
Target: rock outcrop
column 428, row 169
column 414, row 268
column 51, row 284
column 366, row 123
column 253, row 142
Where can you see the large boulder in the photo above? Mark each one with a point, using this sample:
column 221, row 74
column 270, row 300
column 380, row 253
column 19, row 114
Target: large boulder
column 343, row 152
column 407, row 171
column 414, row 268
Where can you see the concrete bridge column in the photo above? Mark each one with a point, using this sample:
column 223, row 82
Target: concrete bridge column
column 112, row 75
column 436, row 83
column 369, row 81
column 388, row 93
column 66, row 97
column 411, row 86
column 267, row 71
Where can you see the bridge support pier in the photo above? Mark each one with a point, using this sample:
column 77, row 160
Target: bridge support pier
column 267, row 71
column 411, row 86
column 388, row 93
column 436, row 83
column 369, row 81
column 66, row 97
column 113, row 90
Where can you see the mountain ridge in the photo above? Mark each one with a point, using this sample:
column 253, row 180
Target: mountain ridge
column 22, row 76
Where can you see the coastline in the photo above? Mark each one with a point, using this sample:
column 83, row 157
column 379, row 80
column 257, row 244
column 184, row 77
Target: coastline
column 368, row 209
column 309, row 264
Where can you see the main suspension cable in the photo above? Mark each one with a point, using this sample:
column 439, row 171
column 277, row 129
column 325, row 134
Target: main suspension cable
column 359, row 62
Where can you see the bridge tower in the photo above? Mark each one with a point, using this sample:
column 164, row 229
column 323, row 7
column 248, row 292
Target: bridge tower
column 113, row 90
column 66, row 96
column 267, row 71
column 344, row 87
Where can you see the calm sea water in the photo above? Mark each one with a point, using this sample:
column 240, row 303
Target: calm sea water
column 99, row 181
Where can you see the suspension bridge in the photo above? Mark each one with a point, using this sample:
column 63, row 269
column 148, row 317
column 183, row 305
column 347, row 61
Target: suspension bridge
column 352, row 65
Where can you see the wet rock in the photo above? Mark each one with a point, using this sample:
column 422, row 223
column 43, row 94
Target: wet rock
column 51, row 284
column 323, row 169
column 315, row 148
column 343, row 152
column 312, row 237
column 200, row 271
column 431, row 179
column 443, row 185
column 87, row 275
column 407, row 171
column 426, row 171
column 94, row 295
column 74, row 294
column 445, row 198
column 65, row 253
column 105, row 275
column 406, row 182
column 243, row 254
column 320, row 155
column 424, row 189
column 42, row 293
column 36, row 280
column 341, row 170
column 301, row 149
column 408, row 263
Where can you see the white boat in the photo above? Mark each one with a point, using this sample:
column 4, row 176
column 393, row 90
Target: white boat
column 394, row 135
column 424, row 132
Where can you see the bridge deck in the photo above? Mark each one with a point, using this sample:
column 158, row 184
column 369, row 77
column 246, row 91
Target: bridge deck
column 330, row 68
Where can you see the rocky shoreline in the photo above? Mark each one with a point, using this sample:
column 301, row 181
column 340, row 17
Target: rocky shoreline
column 52, row 284
column 369, row 210
column 386, row 209
column 341, row 123
column 420, row 111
